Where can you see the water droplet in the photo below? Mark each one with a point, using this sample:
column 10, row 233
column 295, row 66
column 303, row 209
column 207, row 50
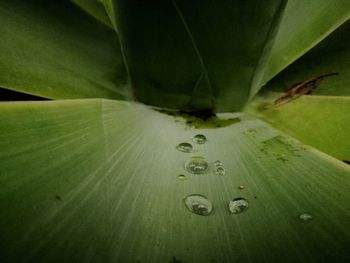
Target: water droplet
column 305, row 217
column 238, row 205
column 241, row 187
column 218, row 163
column 198, row 204
column 197, row 165
column 185, row 147
column 200, row 139
column 220, row 171
column 181, row 177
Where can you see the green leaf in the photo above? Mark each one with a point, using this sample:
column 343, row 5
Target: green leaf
column 109, row 7
column 96, row 9
column 320, row 121
column 95, row 181
column 52, row 49
column 331, row 55
column 304, row 24
column 194, row 56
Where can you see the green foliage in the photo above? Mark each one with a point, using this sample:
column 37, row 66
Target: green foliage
column 97, row 180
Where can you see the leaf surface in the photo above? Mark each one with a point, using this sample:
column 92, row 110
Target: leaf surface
column 320, row 121
column 54, row 50
column 96, row 9
column 96, row 181
column 303, row 26
column 331, row 55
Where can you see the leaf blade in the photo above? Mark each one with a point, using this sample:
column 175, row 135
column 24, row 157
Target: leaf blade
column 128, row 198
column 51, row 57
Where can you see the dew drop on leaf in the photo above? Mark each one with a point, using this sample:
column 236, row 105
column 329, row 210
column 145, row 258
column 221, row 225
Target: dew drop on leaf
column 185, row 147
column 305, row 217
column 238, row 205
column 181, row 177
column 200, row 139
column 197, row 165
column 220, row 171
column 198, row 204
column 218, row 163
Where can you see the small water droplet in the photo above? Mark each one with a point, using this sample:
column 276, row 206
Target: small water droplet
column 198, row 204
column 218, row 163
column 200, row 139
column 220, row 171
column 238, row 205
column 197, row 165
column 241, row 187
column 305, row 217
column 181, row 177
column 185, row 147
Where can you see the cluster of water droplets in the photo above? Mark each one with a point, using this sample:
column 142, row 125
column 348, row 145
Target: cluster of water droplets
column 198, row 165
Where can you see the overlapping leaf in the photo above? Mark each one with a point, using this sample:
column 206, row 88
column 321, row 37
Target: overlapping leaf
column 54, row 50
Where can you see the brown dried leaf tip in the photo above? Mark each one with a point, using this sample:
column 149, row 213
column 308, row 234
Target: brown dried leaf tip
column 297, row 90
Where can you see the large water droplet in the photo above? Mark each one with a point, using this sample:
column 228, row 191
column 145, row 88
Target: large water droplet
column 200, row 139
column 198, row 204
column 220, row 171
column 185, row 147
column 181, row 177
column 197, row 165
column 218, row 163
column 305, row 217
column 238, row 205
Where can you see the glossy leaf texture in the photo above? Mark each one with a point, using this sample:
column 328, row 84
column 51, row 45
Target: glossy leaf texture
column 54, row 50
column 304, row 25
column 96, row 181
column 196, row 55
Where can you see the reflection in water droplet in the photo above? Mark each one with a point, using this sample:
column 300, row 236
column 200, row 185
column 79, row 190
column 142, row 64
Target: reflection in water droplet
column 200, row 139
column 198, row 204
column 197, row 165
column 218, row 163
column 238, row 205
column 185, row 147
column 181, row 177
column 220, row 171
column 305, row 217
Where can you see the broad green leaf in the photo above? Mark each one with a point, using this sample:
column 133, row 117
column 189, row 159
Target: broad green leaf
column 196, row 55
column 320, row 121
column 304, row 24
column 96, row 181
column 331, row 55
column 96, row 9
column 54, row 50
